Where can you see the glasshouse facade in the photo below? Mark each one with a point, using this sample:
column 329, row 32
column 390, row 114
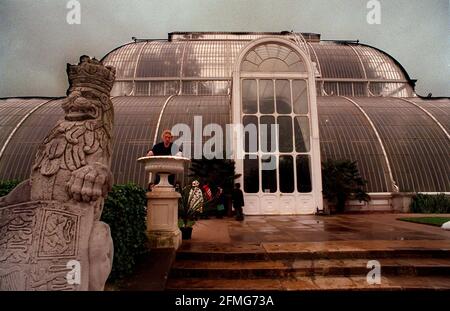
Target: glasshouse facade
column 276, row 103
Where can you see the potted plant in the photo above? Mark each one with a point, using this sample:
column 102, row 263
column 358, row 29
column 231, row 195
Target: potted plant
column 190, row 206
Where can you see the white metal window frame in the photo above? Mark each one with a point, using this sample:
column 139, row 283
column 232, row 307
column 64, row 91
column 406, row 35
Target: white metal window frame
column 308, row 76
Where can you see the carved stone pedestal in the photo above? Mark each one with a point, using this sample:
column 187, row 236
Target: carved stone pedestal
column 162, row 218
column 162, row 204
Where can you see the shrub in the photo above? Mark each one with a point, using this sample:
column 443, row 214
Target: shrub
column 7, row 185
column 426, row 203
column 341, row 181
column 125, row 213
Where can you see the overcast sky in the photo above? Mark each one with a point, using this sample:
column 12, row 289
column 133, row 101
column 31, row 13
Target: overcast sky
column 36, row 42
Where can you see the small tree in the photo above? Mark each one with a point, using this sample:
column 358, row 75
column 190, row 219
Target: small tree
column 341, row 181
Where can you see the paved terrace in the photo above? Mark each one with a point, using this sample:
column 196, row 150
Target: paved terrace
column 301, row 243
column 311, row 228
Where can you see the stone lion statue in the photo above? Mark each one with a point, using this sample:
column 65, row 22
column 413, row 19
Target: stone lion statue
column 51, row 236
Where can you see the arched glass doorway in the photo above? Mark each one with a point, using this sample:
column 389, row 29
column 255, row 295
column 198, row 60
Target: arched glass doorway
column 274, row 96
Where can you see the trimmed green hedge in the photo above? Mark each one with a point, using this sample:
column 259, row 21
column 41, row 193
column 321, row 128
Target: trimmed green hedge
column 427, row 203
column 7, row 185
column 125, row 212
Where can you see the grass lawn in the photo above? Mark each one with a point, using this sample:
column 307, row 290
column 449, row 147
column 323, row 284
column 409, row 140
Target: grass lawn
column 433, row 221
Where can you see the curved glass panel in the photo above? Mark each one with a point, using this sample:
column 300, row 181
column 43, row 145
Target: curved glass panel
column 124, row 59
column 439, row 108
column 345, row 133
column 338, row 60
column 378, row 65
column 160, row 59
column 175, row 59
column 415, row 145
column 206, row 59
column 19, row 153
column 12, row 111
column 134, row 129
column 272, row 57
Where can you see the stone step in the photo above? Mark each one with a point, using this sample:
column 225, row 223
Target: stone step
column 306, row 254
column 315, row 250
column 389, row 283
column 414, row 264
column 304, row 267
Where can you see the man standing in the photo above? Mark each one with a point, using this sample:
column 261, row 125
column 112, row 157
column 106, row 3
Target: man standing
column 238, row 201
column 165, row 148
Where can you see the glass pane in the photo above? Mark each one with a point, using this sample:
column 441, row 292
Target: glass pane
column 250, row 133
column 330, row 88
column 273, row 65
column 301, row 128
column 303, row 174
column 285, row 133
column 300, row 96
column 156, row 88
column 359, row 89
column 269, row 174
column 171, row 87
column 286, row 166
column 268, row 134
column 251, row 175
column 266, row 99
column 190, row 87
column 141, row 89
column 345, row 89
column 122, row 89
column 249, row 96
column 283, row 96
column 205, row 88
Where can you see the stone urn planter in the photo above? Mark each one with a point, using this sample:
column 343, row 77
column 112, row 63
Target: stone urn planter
column 164, row 166
column 162, row 203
